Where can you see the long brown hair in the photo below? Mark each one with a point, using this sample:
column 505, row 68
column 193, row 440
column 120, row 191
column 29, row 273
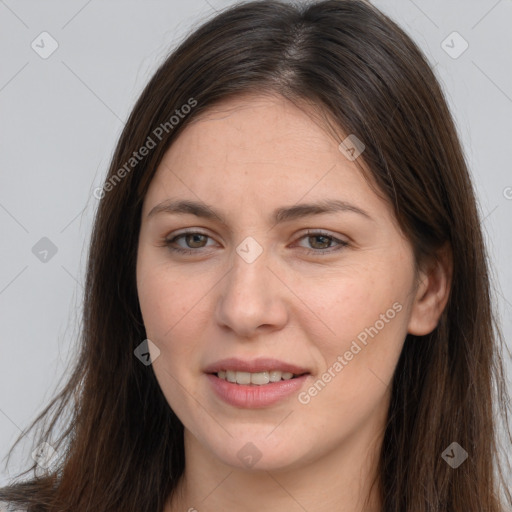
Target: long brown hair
column 122, row 445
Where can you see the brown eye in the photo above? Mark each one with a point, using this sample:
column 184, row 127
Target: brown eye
column 194, row 241
column 323, row 241
column 320, row 242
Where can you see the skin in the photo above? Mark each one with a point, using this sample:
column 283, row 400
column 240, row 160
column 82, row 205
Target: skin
column 244, row 158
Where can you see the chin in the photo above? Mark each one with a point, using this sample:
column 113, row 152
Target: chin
column 258, row 453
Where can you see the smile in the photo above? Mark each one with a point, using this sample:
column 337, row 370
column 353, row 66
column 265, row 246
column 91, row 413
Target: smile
column 256, row 379
column 255, row 396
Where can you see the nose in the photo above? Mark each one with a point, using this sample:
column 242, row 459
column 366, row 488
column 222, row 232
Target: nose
column 252, row 299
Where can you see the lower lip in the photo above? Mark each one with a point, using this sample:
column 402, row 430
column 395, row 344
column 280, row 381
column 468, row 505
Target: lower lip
column 254, row 397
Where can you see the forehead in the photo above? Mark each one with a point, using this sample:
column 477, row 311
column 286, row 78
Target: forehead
column 258, row 150
column 263, row 129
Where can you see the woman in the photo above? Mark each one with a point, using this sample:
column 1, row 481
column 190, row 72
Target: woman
column 329, row 343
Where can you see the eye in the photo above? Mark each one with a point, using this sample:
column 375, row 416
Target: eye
column 320, row 238
column 195, row 240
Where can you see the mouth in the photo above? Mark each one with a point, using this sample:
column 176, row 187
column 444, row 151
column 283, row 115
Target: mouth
column 251, row 395
column 256, row 372
column 256, row 378
column 255, row 383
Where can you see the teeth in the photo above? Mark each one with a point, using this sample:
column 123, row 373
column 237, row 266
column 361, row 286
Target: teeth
column 243, row 378
column 275, row 376
column 258, row 379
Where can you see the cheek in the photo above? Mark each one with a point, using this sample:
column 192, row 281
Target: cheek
column 167, row 303
column 349, row 302
column 169, row 310
column 364, row 323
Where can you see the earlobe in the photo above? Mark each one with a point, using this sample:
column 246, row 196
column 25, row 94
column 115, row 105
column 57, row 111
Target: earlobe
column 432, row 293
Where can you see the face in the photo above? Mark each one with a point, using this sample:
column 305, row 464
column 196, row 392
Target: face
column 325, row 296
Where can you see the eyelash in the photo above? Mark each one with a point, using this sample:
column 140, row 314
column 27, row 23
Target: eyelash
column 314, row 252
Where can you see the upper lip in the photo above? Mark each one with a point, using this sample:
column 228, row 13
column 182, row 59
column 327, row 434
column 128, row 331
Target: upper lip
column 260, row 364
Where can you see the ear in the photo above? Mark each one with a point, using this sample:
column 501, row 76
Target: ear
column 434, row 283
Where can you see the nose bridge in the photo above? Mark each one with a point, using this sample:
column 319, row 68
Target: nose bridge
column 250, row 295
column 249, row 280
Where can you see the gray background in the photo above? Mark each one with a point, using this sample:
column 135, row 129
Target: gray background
column 60, row 118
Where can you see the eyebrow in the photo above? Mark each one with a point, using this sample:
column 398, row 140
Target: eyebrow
column 279, row 215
